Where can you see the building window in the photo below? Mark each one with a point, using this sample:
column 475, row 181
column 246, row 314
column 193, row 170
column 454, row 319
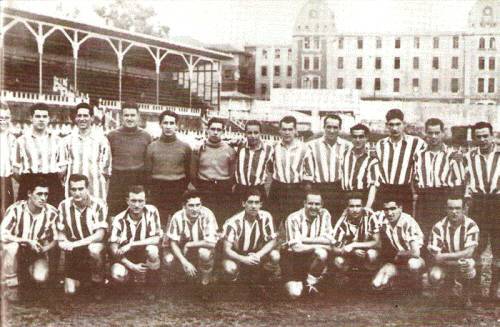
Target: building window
column 276, row 85
column 397, row 43
column 491, row 85
column 454, row 85
column 492, row 43
column 397, row 63
column 376, row 86
column 340, row 83
column 416, row 42
column 228, row 74
column 289, row 54
column 360, row 43
column 480, row 85
column 277, row 53
column 359, row 83
column 378, row 63
column 316, row 42
column 264, row 53
column 435, row 85
column 289, row 71
column 482, row 43
column 435, row 42
column 480, row 63
column 415, row 84
column 454, row 62
column 455, row 42
column 307, row 64
column 263, row 89
column 341, row 43
column 316, row 63
column 435, row 63
column 315, row 83
column 277, row 71
column 379, row 43
column 416, row 63
column 359, row 62
column 491, row 63
column 340, row 62
column 263, row 71
column 307, row 42
column 395, row 86
column 289, row 86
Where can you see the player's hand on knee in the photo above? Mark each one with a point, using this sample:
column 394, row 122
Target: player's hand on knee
column 360, row 253
column 189, row 269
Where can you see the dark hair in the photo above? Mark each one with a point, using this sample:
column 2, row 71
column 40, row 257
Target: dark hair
column 394, row 114
column 354, row 195
column 38, row 181
column 136, row 189
column 361, row 127
column 481, row 125
column 333, row 116
column 130, row 105
column 434, row 122
column 169, row 113
column 78, row 178
column 215, row 120
column 38, row 106
column 253, row 191
column 190, row 195
column 388, row 199
column 82, row 105
column 288, row 120
column 454, row 196
column 312, row 192
column 253, row 123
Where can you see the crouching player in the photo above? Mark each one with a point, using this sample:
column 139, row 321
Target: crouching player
column 134, row 240
column 191, row 238
column 452, row 243
column 28, row 233
column 249, row 244
column 82, row 225
column 401, row 240
column 357, row 237
column 309, row 237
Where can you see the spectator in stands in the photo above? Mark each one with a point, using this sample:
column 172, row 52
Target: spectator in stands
column 7, row 148
column 212, row 171
column 167, row 167
column 128, row 144
column 38, row 154
column 86, row 152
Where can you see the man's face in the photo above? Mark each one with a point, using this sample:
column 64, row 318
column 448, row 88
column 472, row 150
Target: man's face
column 168, row 125
column 483, row 138
column 392, row 211
column 193, row 207
column 332, row 128
column 253, row 135
column 40, row 120
column 4, row 120
column 136, row 202
column 287, row 132
column 434, row 135
column 83, row 119
column 354, row 208
column 215, row 132
column 395, row 127
column 313, row 204
column 39, row 196
column 358, row 139
column 130, row 118
column 79, row 191
column 252, row 205
column 455, row 211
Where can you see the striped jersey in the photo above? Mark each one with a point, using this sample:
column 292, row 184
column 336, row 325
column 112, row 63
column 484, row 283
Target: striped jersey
column 403, row 233
column 483, row 172
column 288, row 162
column 78, row 223
column 90, row 156
column 7, row 153
column 324, row 161
column 249, row 236
column 251, row 165
column 359, row 230
column 38, row 154
column 396, row 159
column 182, row 229
column 359, row 172
column 298, row 226
column 20, row 222
column 446, row 238
column 437, row 169
column 125, row 229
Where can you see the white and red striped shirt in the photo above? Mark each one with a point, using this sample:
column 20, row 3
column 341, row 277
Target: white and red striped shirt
column 396, row 159
column 251, row 165
column 360, row 230
column 298, row 226
column 437, row 169
column 359, row 172
column 249, row 236
column 38, row 154
column 182, row 229
column 445, row 238
column 125, row 229
column 405, row 231
column 7, row 153
column 78, row 223
column 324, row 161
column 288, row 162
column 483, row 172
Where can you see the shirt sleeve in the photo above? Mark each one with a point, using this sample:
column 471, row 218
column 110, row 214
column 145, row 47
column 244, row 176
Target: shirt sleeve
column 472, row 236
column 173, row 230
column 156, row 225
column 100, row 217
column 105, row 156
column 17, row 157
column 211, row 228
column 436, row 243
column 230, row 234
column 116, row 231
column 308, row 164
column 269, row 233
column 293, row 233
column 338, row 231
column 373, row 225
column 326, row 228
column 9, row 222
column 414, row 233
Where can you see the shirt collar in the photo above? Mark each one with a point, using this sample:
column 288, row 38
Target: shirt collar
column 295, row 144
column 86, row 204
column 260, row 146
column 30, row 133
column 403, row 139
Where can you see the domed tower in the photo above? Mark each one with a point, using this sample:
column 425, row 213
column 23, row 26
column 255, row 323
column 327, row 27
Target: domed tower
column 314, row 25
column 485, row 15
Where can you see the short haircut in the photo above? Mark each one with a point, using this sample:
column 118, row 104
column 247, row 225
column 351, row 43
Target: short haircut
column 38, row 106
column 190, row 195
column 434, row 122
column 136, row 189
column 481, row 125
column 388, row 199
column 78, row 178
column 312, row 192
column 38, row 181
column 288, row 120
column 333, row 116
column 253, row 122
column 354, row 195
column 253, row 191
column 215, row 120
column 456, row 197
column 130, row 105
column 361, row 127
column 395, row 114
column 169, row 113
column 82, row 105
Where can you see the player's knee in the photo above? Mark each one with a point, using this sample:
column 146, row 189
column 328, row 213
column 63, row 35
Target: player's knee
column 96, row 250
column 168, row 260
column 372, row 255
column 119, row 273
column 415, row 264
column 294, row 289
column 40, row 271
column 274, row 257
column 321, row 254
column 436, row 276
column 205, row 255
column 230, row 267
column 152, row 252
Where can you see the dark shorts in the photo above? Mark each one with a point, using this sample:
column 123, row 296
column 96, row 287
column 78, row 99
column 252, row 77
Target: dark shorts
column 137, row 255
column 295, row 266
column 77, row 264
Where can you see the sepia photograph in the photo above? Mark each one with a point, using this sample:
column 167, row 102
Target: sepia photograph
column 249, row 163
